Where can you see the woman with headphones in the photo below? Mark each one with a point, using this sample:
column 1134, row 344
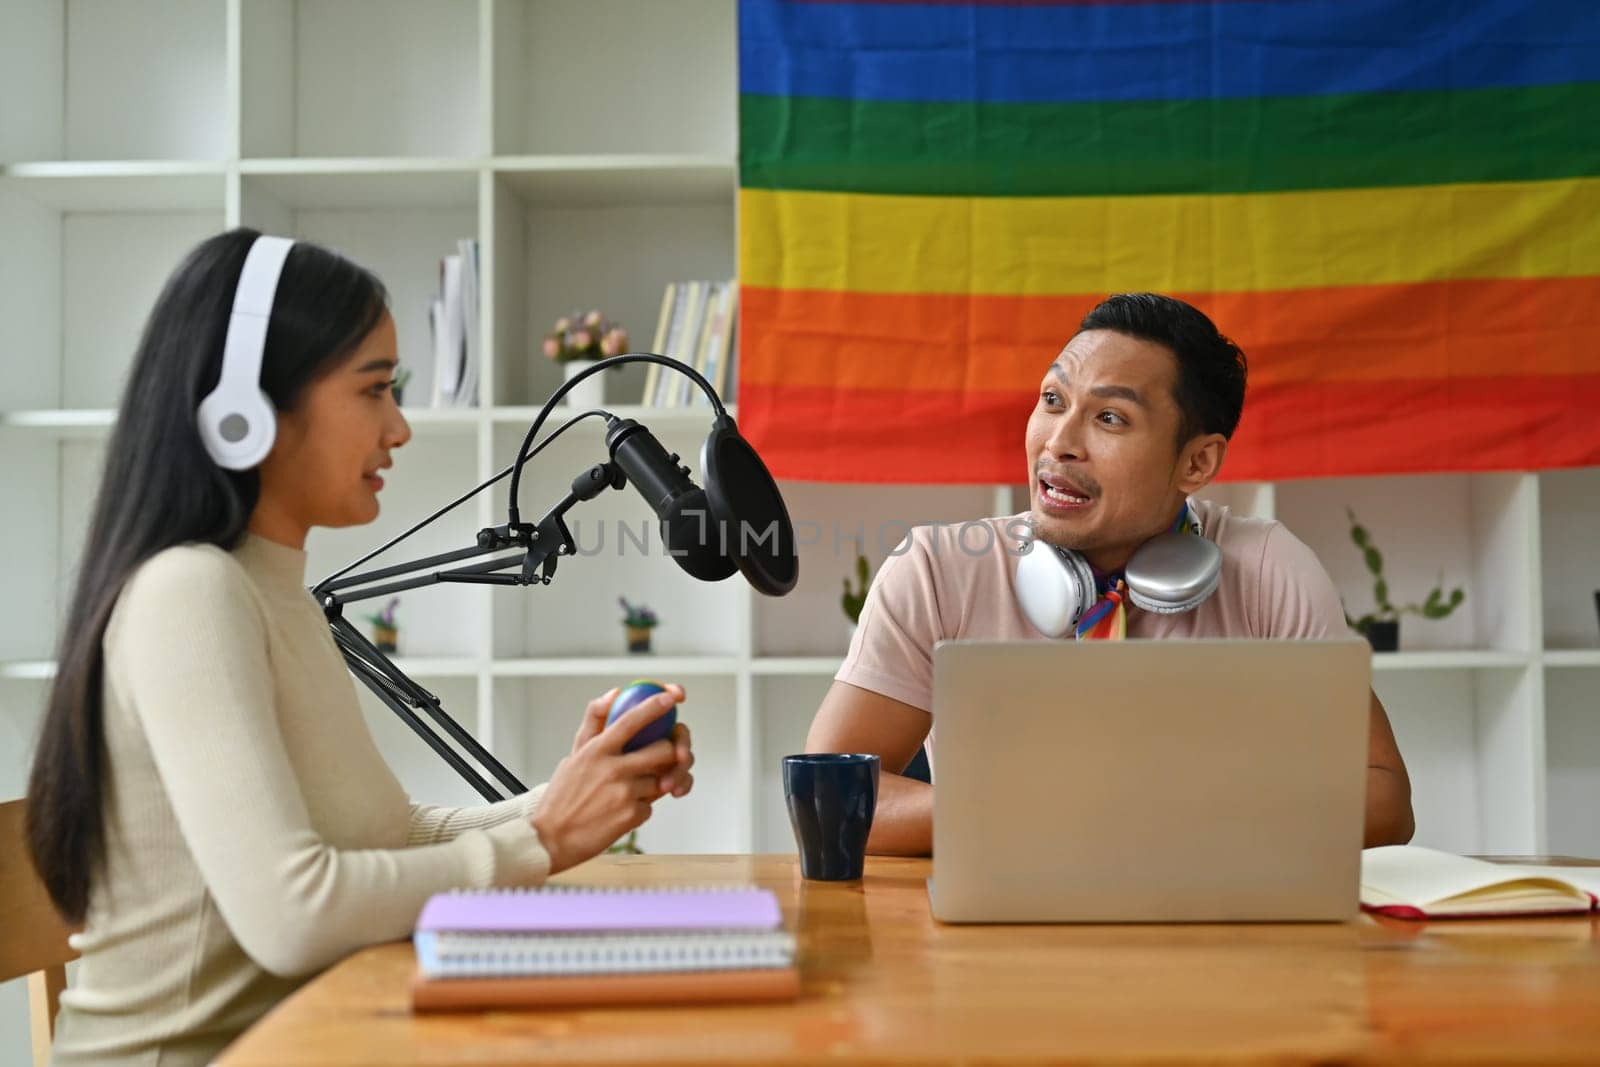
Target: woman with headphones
column 206, row 799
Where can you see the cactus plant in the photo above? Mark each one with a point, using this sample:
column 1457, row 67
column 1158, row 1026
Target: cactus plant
column 853, row 599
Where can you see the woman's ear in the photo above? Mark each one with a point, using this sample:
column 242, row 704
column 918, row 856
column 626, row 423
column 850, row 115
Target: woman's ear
column 1200, row 461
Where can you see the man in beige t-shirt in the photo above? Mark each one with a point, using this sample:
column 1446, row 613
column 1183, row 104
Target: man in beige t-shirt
column 1133, row 418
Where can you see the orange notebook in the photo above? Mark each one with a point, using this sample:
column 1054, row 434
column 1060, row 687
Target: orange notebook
column 1411, row 882
column 703, row 987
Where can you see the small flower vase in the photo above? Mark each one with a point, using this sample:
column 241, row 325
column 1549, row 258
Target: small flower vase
column 387, row 638
column 638, row 638
column 587, row 394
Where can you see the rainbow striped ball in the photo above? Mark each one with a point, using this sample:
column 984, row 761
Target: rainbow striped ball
column 632, row 694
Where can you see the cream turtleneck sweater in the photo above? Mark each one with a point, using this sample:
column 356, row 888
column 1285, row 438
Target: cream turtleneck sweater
column 254, row 834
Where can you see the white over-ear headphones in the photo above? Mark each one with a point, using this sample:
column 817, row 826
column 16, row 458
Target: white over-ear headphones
column 1170, row 573
column 237, row 420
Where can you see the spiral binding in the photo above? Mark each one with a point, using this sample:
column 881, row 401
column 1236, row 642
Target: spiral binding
column 496, row 955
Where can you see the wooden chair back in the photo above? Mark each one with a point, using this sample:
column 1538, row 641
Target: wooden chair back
column 33, row 936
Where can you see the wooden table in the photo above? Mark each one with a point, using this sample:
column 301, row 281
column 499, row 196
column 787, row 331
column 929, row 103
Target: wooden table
column 884, row 983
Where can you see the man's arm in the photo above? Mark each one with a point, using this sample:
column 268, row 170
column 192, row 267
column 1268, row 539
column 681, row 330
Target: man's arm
column 1298, row 601
column 1389, row 818
column 852, row 719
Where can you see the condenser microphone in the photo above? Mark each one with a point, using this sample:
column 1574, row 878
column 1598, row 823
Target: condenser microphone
column 691, row 534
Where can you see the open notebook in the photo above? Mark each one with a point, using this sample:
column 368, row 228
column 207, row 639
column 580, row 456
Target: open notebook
column 562, row 946
column 1411, row 882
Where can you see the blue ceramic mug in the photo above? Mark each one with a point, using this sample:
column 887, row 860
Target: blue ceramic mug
column 831, row 800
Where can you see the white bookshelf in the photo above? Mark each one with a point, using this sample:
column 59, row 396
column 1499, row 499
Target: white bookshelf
column 388, row 129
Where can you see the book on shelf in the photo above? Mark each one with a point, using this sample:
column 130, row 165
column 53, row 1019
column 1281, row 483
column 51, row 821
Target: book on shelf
column 572, row 946
column 683, row 387
column 1412, row 882
column 683, row 334
column 696, row 325
column 652, row 374
column 713, row 358
column 472, row 344
column 454, row 329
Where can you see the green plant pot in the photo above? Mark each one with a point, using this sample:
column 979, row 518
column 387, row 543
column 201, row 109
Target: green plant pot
column 387, row 638
column 638, row 638
column 1384, row 636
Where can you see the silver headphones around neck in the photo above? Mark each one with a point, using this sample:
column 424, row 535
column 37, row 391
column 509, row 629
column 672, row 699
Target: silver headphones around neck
column 237, row 419
column 1168, row 574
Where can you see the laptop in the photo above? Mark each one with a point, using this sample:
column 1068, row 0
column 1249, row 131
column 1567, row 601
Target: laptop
column 1149, row 781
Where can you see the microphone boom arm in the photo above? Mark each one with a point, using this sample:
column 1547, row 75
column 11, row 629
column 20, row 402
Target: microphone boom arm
column 538, row 548
column 521, row 554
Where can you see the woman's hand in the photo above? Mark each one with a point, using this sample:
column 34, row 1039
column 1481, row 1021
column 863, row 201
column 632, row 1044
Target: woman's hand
column 676, row 782
column 599, row 793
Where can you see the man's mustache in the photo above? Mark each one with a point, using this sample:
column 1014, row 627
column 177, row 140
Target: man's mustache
column 1082, row 481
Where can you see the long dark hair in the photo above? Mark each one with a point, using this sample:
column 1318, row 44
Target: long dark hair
column 161, row 488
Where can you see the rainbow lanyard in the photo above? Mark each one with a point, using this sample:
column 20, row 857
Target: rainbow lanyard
column 1107, row 620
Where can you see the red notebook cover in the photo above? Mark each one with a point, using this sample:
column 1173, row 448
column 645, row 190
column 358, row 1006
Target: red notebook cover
column 1406, row 911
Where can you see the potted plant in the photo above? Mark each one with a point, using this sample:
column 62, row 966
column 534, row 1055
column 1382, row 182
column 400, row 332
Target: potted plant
column 385, row 630
column 853, row 598
column 1381, row 628
column 639, row 620
column 578, row 339
column 628, row 846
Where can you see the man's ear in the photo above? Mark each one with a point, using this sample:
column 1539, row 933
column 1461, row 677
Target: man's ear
column 1200, row 461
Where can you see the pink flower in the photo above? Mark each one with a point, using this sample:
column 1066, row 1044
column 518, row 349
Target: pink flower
column 585, row 335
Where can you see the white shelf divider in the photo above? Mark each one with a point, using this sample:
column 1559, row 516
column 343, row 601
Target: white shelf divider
column 802, row 666
column 438, row 667
column 118, row 185
column 687, row 418
column 827, row 666
column 597, row 180
column 1572, row 657
column 92, row 423
column 1447, row 659
column 28, row 670
column 61, row 422
column 664, row 668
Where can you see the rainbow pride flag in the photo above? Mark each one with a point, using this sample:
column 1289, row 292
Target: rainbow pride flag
column 1392, row 205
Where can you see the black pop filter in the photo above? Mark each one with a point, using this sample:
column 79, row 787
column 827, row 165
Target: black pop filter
column 749, row 511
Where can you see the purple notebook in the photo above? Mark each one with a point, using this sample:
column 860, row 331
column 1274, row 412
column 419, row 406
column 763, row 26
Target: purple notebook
column 567, row 910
